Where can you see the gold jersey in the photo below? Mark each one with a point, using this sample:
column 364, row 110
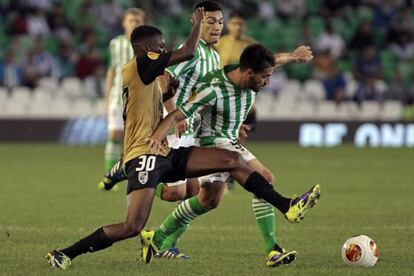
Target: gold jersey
column 230, row 49
column 142, row 97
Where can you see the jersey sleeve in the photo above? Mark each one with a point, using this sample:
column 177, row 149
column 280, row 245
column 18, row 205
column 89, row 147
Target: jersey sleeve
column 184, row 67
column 152, row 65
column 203, row 97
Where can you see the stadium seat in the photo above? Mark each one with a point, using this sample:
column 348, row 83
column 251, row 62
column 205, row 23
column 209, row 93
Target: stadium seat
column 4, row 94
column 20, row 94
column 72, row 87
column 369, row 111
column 61, row 107
column 283, row 111
column 15, row 108
column 41, row 98
column 49, row 82
column 82, row 107
column 90, row 87
column 304, row 111
column 314, row 90
column 350, row 88
column 99, row 107
column 265, row 106
column 38, row 109
column 391, row 111
column 327, row 110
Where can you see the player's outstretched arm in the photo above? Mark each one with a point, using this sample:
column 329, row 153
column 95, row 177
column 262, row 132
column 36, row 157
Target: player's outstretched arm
column 163, row 129
column 300, row 54
column 189, row 47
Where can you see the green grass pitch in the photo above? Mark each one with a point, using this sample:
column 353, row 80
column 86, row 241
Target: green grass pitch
column 48, row 199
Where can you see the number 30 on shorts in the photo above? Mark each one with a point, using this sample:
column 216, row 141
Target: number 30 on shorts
column 146, row 163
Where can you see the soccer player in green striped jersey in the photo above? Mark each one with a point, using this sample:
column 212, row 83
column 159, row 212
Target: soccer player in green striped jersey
column 205, row 60
column 120, row 52
column 224, row 99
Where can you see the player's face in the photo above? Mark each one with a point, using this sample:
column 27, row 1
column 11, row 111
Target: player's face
column 131, row 21
column 256, row 81
column 155, row 44
column 212, row 27
column 236, row 26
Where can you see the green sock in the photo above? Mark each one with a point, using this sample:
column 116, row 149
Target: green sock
column 172, row 239
column 158, row 190
column 265, row 218
column 183, row 214
column 112, row 152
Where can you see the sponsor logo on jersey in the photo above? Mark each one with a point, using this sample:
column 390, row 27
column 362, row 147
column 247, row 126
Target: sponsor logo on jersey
column 153, row 55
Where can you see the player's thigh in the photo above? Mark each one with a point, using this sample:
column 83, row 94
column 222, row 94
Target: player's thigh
column 203, row 161
column 256, row 165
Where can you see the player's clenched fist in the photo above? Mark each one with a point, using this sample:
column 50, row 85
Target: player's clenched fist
column 303, row 54
column 198, row 16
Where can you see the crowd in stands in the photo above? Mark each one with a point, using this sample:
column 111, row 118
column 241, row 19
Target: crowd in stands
column 366, row 41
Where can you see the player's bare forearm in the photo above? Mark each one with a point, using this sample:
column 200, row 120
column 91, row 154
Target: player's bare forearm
column 163, row 129
column 189, row 47
column 300, row 54
column 110, row 75
column 170, row 105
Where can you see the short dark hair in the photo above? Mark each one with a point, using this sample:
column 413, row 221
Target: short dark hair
column 237, row 13
column 256, row 57
column 144, row 31
column 209, row 6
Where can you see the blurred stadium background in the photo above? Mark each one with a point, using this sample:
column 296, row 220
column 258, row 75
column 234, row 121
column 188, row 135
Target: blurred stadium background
column 54, row 56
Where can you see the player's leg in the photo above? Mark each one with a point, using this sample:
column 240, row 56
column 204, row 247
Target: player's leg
column 203, row 161
column 139, row 204
column 168, row 249
column 181, row 189
column 113, row 145
column 206, row 160
column 114, row 172
column 172, row 192
column 262, row 210
column 207, row 199
column 265, row 218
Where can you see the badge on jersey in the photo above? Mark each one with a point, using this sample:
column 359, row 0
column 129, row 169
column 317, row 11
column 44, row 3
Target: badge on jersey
column 143, row 177
column 153, row 55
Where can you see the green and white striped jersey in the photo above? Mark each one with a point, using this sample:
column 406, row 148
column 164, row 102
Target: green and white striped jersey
column 120, row 52
column 191, row 72
column 223, row 106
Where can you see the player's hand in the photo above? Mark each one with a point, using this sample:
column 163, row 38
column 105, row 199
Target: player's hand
column 198, row 16
column 244, row 131
column 303, row 54
column 180, row 128
column 154, row 144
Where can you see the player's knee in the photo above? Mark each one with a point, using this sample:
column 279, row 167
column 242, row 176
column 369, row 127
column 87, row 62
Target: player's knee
column 210, row 203
column 131, row 229
column 233, row 160
column 269, row 176
column 173, row 195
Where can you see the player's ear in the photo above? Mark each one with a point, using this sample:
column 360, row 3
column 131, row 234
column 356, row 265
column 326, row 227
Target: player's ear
column 249, row 72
